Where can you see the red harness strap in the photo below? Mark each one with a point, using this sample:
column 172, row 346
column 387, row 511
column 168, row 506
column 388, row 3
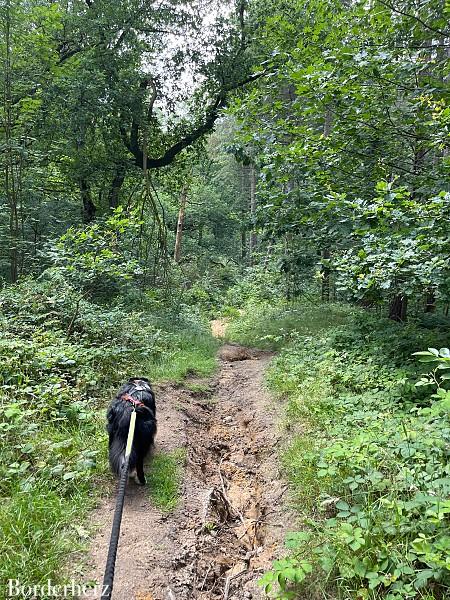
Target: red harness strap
column 132, row 400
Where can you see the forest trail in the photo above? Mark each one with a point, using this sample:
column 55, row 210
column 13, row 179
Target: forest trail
column 230, row 521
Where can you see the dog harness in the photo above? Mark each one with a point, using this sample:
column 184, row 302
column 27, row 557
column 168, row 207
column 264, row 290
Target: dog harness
column 138, row 385
column 132, row 401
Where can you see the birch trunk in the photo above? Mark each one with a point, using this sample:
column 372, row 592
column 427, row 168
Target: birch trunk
column 180, row 223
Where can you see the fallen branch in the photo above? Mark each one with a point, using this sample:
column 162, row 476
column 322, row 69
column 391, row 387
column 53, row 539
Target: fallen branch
column 224, row 492
column 205, row 578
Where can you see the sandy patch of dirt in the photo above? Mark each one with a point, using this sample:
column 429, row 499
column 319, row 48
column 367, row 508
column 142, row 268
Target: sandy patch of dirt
column 219, row 327
column 231, row 520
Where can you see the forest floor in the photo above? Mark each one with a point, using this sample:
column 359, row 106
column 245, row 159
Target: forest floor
column 230, row 521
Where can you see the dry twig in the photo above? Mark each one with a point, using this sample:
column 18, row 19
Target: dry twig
column 228, row 581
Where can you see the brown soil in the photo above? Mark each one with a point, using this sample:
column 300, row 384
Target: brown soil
column 230, row 523
column 233, row 353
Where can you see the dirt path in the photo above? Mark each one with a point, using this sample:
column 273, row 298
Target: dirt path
column 230, row 523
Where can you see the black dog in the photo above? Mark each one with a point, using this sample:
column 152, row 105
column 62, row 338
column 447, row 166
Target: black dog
column 136, row 394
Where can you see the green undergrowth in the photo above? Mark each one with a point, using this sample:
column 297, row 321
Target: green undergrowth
column 193, row 353
column 367, row 457
column 271, row 325
column 164, row 478
column 61, row 358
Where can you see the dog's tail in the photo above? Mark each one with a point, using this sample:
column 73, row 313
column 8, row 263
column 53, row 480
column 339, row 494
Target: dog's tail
column 117, row 456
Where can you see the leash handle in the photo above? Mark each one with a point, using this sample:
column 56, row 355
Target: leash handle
column 108, row 580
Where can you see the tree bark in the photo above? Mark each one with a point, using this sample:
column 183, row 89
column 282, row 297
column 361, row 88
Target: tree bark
column 325, row 276
column 89, row 208
column 244, row 211
column 430, row 302
column 327, row 126
column 10, row 174
column 328, row 122
column 116, row 186
column 180, row 223
column 253, row 236
column 398, row 308
column 243, row 244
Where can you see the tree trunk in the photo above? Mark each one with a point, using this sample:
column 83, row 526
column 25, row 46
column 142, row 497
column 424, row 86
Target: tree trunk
column 253, row 236
column 89, row 208
column 116, row 186
column 328, row 122
column 430, row 302
column 325, row 276
column 179, row 235
column 11, row 188
column 13, row 228
column 398, row 308
column 244, row 212
column 327, row 126
column 243, row 244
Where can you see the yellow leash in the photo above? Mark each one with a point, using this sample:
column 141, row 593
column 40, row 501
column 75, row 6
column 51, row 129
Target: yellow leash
column 108, row 579
column 130, row 434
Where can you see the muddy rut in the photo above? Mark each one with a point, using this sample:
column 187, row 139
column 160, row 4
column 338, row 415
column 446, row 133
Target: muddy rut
column 230, row 522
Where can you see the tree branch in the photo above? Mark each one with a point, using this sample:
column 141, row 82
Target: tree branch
column 418, row 19
column 211, row 116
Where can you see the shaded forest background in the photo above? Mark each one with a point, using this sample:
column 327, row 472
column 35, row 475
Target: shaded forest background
column 330, row 159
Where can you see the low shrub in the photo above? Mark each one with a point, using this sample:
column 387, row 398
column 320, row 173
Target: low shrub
column 368, row 462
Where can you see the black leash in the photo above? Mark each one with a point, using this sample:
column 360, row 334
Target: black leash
column 108, row 580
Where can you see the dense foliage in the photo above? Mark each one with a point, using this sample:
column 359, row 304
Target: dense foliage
column 367, row 455
column 350, row 133
column 98, row 101
column 63, row 351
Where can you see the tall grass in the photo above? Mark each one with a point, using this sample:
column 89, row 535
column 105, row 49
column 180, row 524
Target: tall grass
column 165, row 477
column 271, row 325
column 193, row 354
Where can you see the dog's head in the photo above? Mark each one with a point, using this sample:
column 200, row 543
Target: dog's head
column 140, row 383
column 137, row 388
